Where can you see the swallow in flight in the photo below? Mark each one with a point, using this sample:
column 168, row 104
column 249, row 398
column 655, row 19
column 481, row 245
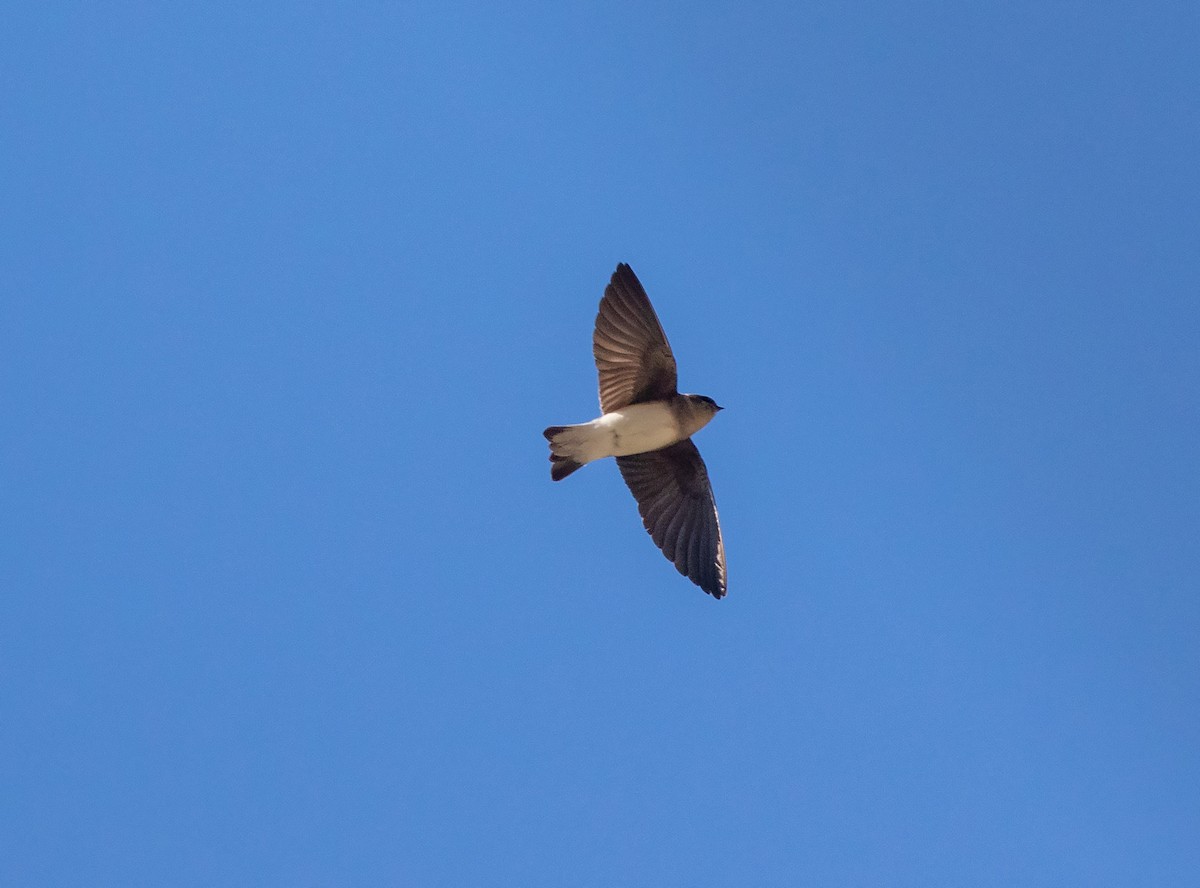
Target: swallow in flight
column 647, row 425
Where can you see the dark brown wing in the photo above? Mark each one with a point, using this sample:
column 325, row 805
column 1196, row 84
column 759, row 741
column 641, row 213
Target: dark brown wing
column 631, row 350
column 676, row 503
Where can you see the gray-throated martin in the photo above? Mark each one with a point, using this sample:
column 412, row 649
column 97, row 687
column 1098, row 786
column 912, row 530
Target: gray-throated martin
column 647, row 425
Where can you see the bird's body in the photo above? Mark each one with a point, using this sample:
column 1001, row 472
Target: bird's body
column 647, row 425
column 637, row 428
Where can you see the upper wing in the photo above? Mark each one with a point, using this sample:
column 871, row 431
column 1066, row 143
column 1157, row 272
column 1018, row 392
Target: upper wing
column 675, row 500
column 631, row 350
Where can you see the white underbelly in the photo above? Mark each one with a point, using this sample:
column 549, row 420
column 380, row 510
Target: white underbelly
column 637, row 429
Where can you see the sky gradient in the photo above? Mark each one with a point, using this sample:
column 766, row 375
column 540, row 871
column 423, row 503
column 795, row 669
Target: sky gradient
column 289, row 291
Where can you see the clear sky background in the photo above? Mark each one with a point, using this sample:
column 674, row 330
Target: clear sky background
column 289, row 292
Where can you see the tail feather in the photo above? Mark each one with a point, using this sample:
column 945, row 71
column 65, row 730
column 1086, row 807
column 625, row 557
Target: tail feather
column 561, row 466
column 562, row 457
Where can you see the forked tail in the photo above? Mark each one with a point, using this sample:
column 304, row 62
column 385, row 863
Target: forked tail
column 564, row 441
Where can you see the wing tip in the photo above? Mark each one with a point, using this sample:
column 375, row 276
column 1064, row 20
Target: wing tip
column 624, row 278
column 713, row 585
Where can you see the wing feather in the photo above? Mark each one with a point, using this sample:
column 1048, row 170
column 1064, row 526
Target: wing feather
column 677, row 506
column 633, row 358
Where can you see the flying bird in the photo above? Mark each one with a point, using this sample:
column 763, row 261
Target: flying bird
column 647, row 425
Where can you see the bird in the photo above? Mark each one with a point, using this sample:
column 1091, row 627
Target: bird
column 648, row 425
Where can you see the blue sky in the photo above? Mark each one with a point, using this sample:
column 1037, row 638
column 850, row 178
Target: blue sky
column 290, row 290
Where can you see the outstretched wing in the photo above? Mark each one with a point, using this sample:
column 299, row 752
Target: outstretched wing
column 675, row 500
column 632, row 354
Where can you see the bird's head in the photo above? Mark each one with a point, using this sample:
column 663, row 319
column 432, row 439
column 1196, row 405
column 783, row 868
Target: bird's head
column 702, row 408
